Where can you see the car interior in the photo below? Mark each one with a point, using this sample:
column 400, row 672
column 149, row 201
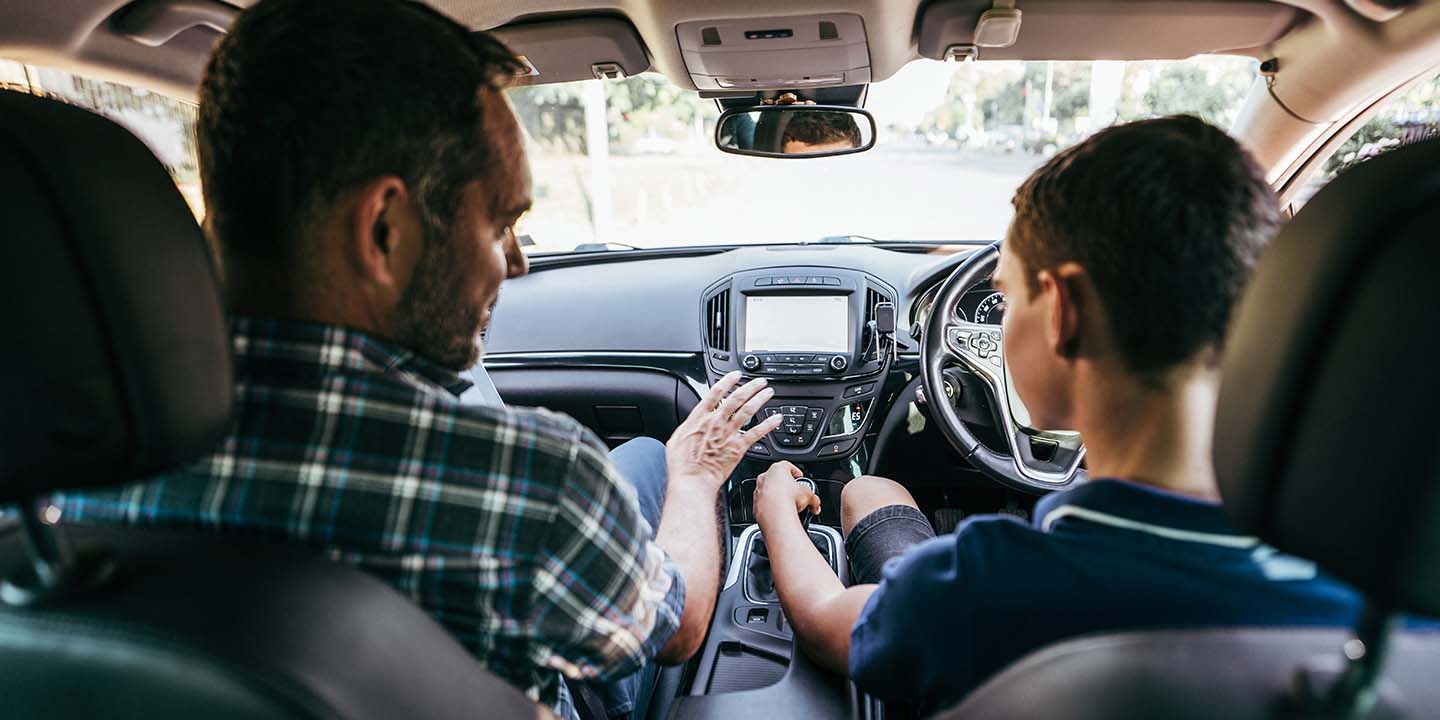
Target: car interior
column 885, row 358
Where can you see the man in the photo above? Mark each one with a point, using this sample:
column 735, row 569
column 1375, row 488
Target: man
column 1121, row 267
column 362, row 176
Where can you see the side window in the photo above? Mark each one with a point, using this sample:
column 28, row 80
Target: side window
column 165, row 124
column 1409, row 117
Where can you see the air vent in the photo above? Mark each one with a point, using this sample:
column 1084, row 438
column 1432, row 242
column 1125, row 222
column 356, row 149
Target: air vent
column 717, row 320
column 873, row 297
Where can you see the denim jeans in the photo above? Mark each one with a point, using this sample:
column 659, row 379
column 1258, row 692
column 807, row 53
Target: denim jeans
column 882, row 536
column 642, row 462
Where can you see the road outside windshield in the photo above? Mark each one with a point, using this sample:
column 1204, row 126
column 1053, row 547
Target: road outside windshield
column 632, row 163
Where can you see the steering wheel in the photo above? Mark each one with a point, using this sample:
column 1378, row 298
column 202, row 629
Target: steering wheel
column 1035, row 461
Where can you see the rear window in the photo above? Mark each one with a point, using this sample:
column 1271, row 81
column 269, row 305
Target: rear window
column 164, row 124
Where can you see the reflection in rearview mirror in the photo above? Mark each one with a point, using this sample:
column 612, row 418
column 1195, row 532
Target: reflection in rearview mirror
column 795, row 131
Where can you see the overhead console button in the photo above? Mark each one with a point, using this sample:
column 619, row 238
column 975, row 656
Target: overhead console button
column 832, row 280
column 763, row 282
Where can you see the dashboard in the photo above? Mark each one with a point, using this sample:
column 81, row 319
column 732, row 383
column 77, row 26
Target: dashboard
column 627, row 344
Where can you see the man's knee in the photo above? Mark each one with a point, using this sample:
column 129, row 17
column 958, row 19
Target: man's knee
column 866, row 494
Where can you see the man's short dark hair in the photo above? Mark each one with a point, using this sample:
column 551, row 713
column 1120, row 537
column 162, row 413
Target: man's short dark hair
column 1167, row 216
column 305, row 99
column 817, row 127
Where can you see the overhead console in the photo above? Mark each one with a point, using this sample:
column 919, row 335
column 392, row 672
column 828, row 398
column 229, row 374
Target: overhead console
column 793, row 52
column 812, row 331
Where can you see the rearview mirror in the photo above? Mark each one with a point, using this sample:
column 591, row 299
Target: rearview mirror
column 795, row 131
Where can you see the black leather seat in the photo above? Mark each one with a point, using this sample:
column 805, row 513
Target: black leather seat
column 1325, row 446
column 117, row 366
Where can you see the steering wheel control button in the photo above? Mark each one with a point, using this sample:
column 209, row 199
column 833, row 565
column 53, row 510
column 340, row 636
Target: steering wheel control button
column 839, row 447
column 838, row 363
column 750, row 362
column 995, row 360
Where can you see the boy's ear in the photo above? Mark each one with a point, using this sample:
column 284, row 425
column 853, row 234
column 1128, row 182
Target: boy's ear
column 1066, row 286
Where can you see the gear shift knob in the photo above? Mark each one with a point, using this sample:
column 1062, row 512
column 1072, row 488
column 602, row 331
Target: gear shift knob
column 806, row 515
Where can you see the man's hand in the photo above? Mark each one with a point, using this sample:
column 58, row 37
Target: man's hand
column 778, row 495
column 709, row 444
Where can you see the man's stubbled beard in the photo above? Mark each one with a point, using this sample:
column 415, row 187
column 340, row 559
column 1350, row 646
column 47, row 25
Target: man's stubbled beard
column 433, row 319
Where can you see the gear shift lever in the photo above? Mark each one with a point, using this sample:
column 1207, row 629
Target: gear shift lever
column 806, row 515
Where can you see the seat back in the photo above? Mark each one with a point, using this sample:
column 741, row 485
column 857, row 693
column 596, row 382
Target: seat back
column 117, row 367
column 1323, row 448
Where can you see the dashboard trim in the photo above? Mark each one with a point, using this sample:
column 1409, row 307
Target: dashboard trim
column 688, row 366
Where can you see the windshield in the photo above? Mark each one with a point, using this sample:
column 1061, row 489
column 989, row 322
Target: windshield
column 632, row 164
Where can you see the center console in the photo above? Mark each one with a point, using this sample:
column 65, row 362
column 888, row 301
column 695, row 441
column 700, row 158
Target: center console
column 820, row 336
column 751, row 664
column 813, row 332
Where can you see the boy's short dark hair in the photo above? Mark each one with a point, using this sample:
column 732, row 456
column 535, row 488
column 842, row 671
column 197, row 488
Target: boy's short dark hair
column 818, row 127
column 1167, row 217
column 305, row 99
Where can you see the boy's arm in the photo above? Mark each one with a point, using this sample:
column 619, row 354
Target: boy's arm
column 817, row 605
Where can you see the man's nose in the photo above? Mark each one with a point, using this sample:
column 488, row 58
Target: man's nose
column 516, row 263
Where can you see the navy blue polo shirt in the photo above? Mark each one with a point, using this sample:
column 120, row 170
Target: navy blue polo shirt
column 1107, row 555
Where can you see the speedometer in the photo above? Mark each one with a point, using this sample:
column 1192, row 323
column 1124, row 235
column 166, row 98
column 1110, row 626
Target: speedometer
column 991, row 310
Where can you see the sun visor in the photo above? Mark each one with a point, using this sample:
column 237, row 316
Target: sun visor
column 1108, row 30
column 795, row 52
column 576, row 49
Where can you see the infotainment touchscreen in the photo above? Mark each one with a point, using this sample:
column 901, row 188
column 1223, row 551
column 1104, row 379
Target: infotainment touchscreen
column 797, row 322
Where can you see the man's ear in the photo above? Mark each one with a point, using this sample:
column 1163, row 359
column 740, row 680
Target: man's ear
column 384, row 236
column 1063, row 287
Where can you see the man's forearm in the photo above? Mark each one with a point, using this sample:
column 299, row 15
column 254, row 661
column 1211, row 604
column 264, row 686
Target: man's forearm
column 819, row 607
column 689, row 533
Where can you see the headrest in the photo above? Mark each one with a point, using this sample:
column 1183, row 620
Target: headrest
column 1329, row 417
column 116, row 361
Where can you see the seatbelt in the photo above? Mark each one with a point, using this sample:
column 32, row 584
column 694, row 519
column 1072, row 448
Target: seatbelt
column 483, row 391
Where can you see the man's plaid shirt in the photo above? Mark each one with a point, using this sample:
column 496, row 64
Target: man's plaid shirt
column 509, row 525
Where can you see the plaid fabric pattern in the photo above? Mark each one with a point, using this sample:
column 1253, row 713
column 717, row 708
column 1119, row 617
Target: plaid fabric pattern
column 509, row 525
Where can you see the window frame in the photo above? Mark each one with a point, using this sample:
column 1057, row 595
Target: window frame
column 1298, row 175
